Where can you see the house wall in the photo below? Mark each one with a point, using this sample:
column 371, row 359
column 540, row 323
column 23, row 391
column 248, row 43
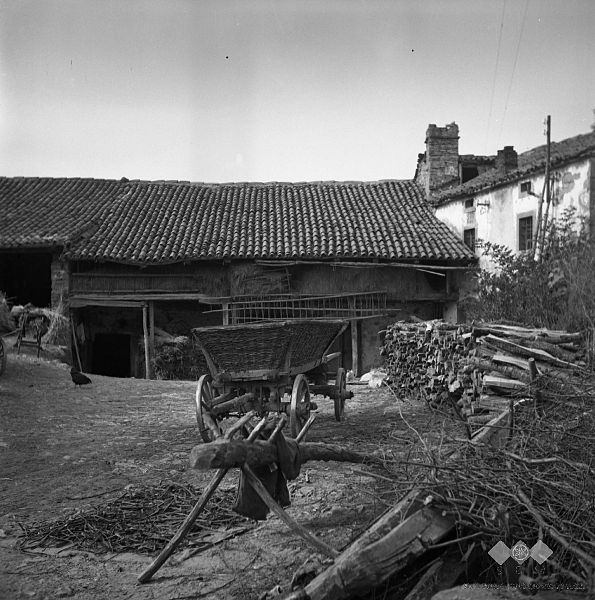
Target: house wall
column 497, row 211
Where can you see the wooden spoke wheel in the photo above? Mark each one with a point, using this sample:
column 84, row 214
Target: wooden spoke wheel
column 204, row 401
column 340, row 394
column 2, row 356
column 299, row 409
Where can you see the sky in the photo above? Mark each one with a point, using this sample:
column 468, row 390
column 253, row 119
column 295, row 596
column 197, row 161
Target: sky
column 283, row 90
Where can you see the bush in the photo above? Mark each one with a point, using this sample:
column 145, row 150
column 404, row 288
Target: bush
column 556, row 289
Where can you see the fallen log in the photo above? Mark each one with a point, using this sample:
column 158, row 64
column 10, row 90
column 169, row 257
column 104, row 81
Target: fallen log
column 363, row 566
column 229, row 454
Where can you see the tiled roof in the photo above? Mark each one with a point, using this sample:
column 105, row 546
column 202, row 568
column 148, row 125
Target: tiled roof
column 529, row 162
column 163, row 222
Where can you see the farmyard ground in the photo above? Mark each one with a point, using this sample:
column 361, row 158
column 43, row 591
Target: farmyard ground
column 62, row 449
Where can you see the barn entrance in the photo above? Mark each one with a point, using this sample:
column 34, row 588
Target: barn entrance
column 26, row 277
column 111, row 354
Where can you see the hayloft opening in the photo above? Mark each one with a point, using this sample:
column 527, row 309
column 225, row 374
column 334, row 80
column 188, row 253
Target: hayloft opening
column 26, row 277
column 111, row 354
column 469, row 172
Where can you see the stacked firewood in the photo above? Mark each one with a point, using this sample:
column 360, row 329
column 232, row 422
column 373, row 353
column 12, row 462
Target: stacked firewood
column 477, row 368
column 424, row 357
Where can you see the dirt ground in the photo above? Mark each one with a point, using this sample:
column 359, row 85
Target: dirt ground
column 63, row 448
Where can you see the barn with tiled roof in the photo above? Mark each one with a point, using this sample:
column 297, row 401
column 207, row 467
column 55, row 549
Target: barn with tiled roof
column 166, row 255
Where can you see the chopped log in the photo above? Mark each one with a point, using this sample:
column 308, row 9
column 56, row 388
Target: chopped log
column 510, row 372
column 552, row 349
column 365, row 565
column 513, row 361
column 445, row 572
column 229, row 454
column 527, row 352
column 502, row 383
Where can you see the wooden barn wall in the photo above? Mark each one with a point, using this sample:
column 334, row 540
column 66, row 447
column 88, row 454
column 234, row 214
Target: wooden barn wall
column 409, row 292
column 208, row 278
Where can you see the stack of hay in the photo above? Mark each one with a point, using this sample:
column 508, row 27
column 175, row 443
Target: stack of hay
column 7, row 323
column 176, row 357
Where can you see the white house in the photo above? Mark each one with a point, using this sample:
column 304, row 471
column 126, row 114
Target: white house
column 501, row 204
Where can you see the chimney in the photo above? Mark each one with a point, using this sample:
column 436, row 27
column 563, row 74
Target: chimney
column 442, row 156
column 507, row 159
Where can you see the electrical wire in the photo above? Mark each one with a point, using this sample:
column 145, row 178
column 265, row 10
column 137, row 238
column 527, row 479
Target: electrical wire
column 494, row 79
column 516, row 56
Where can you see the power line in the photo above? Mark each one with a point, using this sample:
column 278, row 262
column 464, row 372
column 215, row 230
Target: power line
column 494, row 79
column 518, row 46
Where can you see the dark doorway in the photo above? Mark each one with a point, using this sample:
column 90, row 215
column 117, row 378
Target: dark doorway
column 111, row 354
column 26, row 277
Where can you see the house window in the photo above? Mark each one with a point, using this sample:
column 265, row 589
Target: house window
column 470, row 204
column 526, row 233
column 469, row 238
column 525, row 188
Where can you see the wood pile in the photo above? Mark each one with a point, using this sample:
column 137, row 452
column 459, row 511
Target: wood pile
column 476, row 368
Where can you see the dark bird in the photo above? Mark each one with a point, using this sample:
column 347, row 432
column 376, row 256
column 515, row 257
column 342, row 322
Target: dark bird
column 78, row 378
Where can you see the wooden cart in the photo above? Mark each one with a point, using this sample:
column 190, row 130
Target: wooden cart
column 267, row 367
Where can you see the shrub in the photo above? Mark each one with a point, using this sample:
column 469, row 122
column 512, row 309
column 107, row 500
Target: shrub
column 555, row 289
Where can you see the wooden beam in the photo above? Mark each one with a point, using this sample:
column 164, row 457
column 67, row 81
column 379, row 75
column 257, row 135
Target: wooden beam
column 261, row 490
column 354, row 348
column 76, row 345
column 152, row 328
column 237, row 453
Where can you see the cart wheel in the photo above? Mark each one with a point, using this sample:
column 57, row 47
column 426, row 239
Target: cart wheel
column 204, row 399
column 299, row 410
column 2, row 356
column 340, row 388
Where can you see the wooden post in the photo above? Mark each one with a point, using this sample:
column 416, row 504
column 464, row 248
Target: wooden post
column 146, row 340
column 76, row 346
column 225, row 307
column 354, row 348
column 152, row 329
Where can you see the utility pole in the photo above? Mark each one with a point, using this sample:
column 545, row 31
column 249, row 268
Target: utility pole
column 545, row 192
column 548, row 194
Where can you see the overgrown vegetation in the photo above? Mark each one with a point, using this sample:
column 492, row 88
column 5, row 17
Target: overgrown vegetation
column 553, row 288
